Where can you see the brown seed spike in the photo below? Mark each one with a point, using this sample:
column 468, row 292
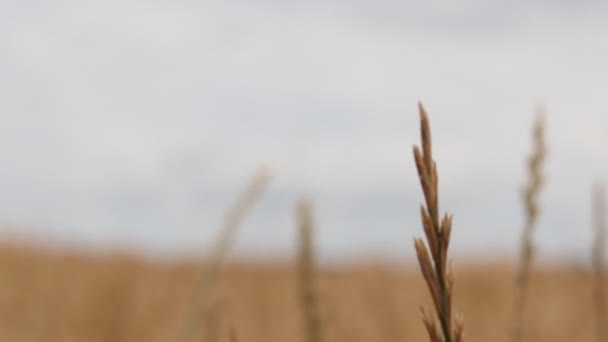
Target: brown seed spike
column 459, row 328
column 437, row 232
column 429, row 324
column 446, row 232
column 449, row 275
column 423, row 174
column 435, row 185
column 419, row 162
column 425, row 131
column 426, row 267
column 446, row 227
column 429, row 231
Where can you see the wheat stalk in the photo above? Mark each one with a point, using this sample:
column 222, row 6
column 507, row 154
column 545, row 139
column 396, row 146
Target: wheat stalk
column 219, row 251
column 307, row 272
column 433, row 266
column 531, row 192
column 598, row 254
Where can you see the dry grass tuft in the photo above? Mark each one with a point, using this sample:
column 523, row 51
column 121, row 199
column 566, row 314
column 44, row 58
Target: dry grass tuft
column 228, row 233
column 598, row 254
column 437, row 275
column 307, row 274
column 531, row 205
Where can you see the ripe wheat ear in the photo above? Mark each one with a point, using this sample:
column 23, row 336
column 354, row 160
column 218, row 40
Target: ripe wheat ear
column 433, row 266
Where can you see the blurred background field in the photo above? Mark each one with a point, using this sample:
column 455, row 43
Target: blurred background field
column 56, row 296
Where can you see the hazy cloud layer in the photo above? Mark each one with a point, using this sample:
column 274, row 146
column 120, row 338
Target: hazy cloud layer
column 139, row 122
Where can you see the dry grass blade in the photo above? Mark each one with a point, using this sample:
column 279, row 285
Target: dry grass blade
column 307, row 272
column 530, row 196
column 433, row 265
column 598, row 254
column 220, row 249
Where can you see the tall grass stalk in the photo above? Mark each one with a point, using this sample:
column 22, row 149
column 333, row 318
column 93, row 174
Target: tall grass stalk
column 598, row 255
column 433, row 265
column 232, row 221
column 307, row 273
column 530, row 195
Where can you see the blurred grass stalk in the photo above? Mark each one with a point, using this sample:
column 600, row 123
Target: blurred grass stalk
column 598, row 253
column 307, row 273
column 227, row 235
column 531, row 192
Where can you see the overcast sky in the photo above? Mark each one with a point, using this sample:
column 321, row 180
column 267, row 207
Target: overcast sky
column 138, row 123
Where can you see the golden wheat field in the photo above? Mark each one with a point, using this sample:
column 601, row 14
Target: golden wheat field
column 54, row 296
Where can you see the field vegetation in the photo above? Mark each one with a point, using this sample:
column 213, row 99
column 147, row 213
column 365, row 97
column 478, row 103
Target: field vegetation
column 50, row 295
